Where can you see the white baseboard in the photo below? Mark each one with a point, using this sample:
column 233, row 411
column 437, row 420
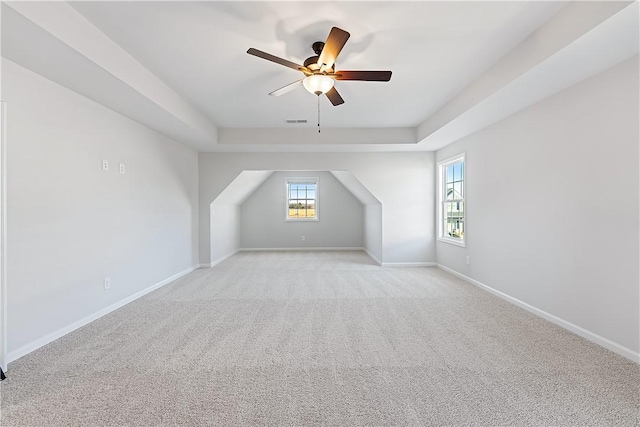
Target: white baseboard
column 584, row 333
column 336, row 248
column 373, row 257
column 409, row 264
column 219, row 260
column 28, row 348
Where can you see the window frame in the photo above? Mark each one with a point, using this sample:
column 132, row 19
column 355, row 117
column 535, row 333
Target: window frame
column 442, row 200
column 301, row 180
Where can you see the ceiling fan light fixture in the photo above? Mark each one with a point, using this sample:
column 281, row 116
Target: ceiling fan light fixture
column 318, row 84
column 320, row 70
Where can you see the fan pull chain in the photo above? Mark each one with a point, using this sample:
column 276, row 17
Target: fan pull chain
column 318, row 113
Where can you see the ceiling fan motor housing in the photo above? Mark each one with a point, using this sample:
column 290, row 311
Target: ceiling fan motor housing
column 312, row 62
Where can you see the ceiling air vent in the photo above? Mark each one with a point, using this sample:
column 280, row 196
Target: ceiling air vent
column 292, row 122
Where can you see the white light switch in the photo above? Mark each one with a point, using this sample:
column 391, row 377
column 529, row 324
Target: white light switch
column 105, row 165
column 122, row 170
column 107, row 283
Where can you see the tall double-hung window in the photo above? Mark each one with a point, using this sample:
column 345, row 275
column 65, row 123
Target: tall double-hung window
column 302, row 199
column 452, row 208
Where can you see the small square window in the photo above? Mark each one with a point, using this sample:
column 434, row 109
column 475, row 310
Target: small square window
column 302, row 199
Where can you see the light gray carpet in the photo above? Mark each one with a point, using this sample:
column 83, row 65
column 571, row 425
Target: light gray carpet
column 320, row 338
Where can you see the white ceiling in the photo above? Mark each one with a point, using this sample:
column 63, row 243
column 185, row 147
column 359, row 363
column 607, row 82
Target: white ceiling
column 182, row 69
column 434, row 49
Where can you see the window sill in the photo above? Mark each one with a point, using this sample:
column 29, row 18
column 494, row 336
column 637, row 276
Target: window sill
column 301, row 219
column 456, row 242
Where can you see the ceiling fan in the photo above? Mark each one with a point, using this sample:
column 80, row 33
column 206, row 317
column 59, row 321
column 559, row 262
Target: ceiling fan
column 319, row 70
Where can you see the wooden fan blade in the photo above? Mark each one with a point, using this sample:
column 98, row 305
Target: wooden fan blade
column 277, row 60
column 334, row 97
column 332, row 47
column 369, row 76
column 286, row 89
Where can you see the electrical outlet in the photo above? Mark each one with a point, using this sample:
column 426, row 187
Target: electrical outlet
column 468, row 260
column 105, row 165
column 107, row 283
column 122, row 170
column 303, row 238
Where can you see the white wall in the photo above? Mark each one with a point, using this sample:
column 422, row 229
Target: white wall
column 225, row 214
column 71, row 224
column 402, row 182
column 225, row 230
column 372, row 221
column 552, row 199
column 340, row 216
column 373, row 230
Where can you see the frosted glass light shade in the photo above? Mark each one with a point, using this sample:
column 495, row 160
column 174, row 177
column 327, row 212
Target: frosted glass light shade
column 318, row 84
